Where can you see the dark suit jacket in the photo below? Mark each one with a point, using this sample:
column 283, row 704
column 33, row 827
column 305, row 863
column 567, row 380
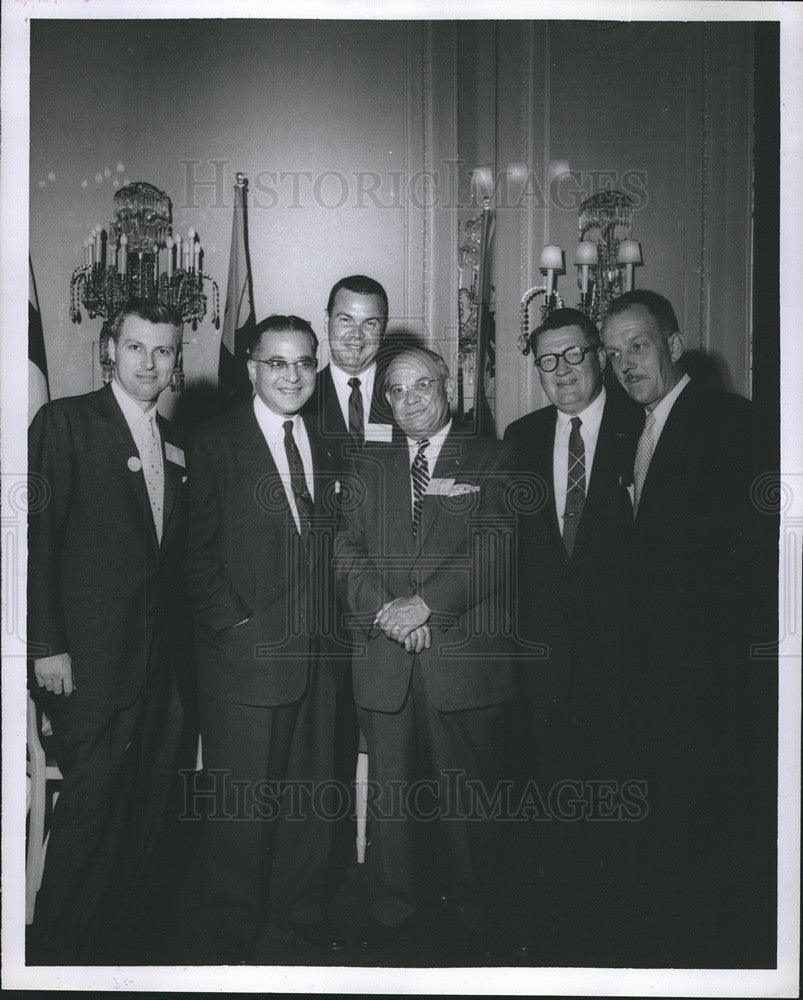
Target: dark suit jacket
column 456, row 564
column 704, row 548
column 245, row 563
column 324, row 408
column 99, row 582
column 576, row 605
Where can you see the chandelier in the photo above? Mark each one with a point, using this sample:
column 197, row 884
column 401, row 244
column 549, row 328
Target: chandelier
column 138, row 257
column 605, row 258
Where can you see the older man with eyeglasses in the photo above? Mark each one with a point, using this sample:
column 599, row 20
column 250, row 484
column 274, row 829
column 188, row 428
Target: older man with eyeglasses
column 421, row 561
column 571, row 597
column 257, row 561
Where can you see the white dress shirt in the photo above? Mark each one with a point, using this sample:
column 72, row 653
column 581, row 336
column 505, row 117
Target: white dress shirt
column 141, row 422
column 591, row 418
column 135, row 416
column 272, row 426
column 431, row 453
column 343, row 389
column 661, row 410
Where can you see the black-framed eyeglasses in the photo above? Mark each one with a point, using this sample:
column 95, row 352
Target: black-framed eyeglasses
column 306, row 366
column 572, row 356
column 423, row 386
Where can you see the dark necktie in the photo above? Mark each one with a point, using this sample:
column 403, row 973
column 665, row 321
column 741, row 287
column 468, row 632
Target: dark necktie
column 298, row 480
column 356, row 419
column 420, row 475
column 575, row 485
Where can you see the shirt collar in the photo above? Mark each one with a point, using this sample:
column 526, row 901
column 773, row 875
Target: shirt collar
column 591, row 416
column 132, row 411
column 435, row 440
column 661, row 410
column 272, row 424
column 341, row 378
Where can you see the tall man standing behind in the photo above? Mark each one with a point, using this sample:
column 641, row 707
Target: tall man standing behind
column 573, row 587
column 431, row 667
column 704, row 586
column 255, row 569
column 106, row 616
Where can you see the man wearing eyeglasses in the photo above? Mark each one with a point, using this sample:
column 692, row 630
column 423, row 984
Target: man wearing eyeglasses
column 254, row 568
column 573, row 582
column 420, row 562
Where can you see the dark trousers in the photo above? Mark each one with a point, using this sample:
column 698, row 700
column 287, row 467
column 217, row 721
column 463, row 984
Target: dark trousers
column 117, row 766
column 268, row 776
column 453, row 750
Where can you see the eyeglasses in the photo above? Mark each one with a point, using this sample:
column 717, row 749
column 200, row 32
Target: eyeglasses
column 423, row 386
column 572, row 356
column 306, row 366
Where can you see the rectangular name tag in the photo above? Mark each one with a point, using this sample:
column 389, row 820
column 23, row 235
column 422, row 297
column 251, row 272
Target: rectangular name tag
column 379, row 432
column 174, row 455
column 439, row 487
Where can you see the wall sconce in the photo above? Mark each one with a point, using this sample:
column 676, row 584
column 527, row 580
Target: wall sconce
column 605, row 258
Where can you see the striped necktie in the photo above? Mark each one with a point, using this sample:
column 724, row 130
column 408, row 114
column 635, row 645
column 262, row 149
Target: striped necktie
column 420, row 476
column 575, row 485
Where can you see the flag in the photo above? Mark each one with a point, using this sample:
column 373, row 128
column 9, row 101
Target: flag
column 38, row 388
column 484, row 382
column 239, row 317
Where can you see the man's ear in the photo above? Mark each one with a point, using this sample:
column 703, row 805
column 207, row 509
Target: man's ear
column 676, row 345
column 449, row 386
column 111, row 349
column 602, row 357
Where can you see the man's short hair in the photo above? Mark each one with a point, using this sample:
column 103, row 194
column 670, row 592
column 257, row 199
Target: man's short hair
column 418, row 352
column 151, row 310
column 360, row 284
column 658, row 307
column 559, row 318
column 281, row 324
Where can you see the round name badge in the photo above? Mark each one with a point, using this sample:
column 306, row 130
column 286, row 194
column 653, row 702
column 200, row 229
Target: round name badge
column 134, row 464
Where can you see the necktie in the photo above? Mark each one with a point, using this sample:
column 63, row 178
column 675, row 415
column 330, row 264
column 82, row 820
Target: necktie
column 575, row 485
column 298, row 481
column 420, row 475
column 153, row 470
column 356, row 419
column 644, row 450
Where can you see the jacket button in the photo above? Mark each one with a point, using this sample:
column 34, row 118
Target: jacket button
column 413, row 584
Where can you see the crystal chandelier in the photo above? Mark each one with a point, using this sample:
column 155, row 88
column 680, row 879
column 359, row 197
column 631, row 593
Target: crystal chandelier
column 605, row 258
column 139, row 258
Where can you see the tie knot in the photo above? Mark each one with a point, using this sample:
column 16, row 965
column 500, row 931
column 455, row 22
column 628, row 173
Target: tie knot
column 649, row 419
column 423, row 444
column 288, row 427
column 576, row 423
column 354, row 382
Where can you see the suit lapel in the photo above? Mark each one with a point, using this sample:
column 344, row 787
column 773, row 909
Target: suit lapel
column 602, row 469
column 122, row 443
column 447, row 466
column 398, row 518
column 673, row 436
column 256, row 461
column 172, row 472
column 544, row 466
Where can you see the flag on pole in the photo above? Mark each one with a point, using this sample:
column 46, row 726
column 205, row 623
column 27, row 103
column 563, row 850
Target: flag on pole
column 239, row 317
column 38, row 388
column 485, row 380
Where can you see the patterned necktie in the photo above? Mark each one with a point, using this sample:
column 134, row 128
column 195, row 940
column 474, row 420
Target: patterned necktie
column 420, row 475
column 153, row 470
column 575, row 485
column 356, row 419
column 644, row 450
column 298, row 481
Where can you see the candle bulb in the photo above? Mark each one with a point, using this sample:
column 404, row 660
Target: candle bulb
column 98, row 232
column 112, row 256
column 550, row 278
column 123, row 254
column 196, row 254
column 86, row 252
column 169, row 245
column 156, row 265
column 178, row 251
column 628, row 277
column 190, row 246
column 584, row 279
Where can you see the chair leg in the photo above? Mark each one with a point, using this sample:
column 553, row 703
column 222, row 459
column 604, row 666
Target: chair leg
column 361, row 797
column 36, row 830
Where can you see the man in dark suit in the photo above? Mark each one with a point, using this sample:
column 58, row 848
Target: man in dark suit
column 705, row 568
column 256, row 569
column 107, row 629
column 573, row 590
column 350, row 408
column 348, row 402
column 421, row 570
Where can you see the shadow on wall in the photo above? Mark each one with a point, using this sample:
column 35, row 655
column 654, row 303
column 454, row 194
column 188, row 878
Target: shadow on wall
column 709, row 370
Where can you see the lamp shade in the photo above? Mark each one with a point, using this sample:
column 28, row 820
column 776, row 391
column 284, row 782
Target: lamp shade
column 551, row 259
column 586, row 253
column 629, row 252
